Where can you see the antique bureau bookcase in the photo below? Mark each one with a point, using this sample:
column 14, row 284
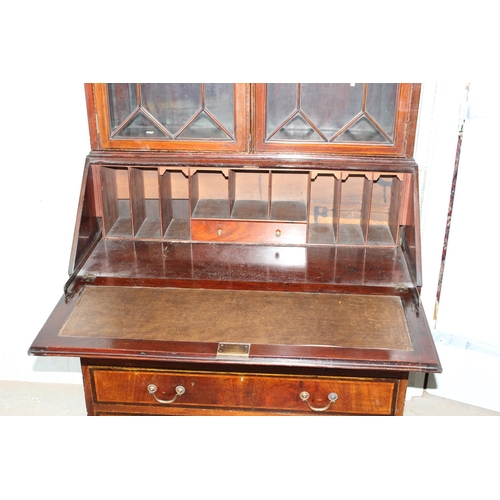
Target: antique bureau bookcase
column 246, row 249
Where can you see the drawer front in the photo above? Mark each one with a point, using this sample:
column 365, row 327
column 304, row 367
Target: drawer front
column 316, row 395
column 268, row 232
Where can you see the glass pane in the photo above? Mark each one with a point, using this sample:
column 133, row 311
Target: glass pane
column 331, row 106
column 122, row 101
column 154, row 98
column 281, row 104
column 141, row 126
column 361, row 131
column 381, row 105
column 297, row 129
column 174, row 104
column 219, row 101
column 203, row 127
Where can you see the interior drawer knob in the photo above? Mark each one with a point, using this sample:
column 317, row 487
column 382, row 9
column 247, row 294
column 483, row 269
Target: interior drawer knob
column 179, row 391
column 332, row 397
column 278, row 233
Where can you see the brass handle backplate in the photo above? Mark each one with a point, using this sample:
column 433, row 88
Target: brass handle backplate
column 179, row 391
column 332, row 397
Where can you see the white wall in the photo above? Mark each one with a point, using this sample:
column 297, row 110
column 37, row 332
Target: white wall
column 435, row 148
column 466, row 328
column 46, row 145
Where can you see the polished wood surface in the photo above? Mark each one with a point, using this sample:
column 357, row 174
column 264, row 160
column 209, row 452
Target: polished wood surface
column 267, row 232
column 244, row 391
column 113, row 388
column 255, row 266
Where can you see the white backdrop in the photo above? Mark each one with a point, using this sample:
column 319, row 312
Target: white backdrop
column 45, row 151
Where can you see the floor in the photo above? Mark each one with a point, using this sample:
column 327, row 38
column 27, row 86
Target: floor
column 33, row 399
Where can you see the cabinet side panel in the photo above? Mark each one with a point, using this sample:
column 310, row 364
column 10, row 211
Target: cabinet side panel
column 88, row 225
column 87, row 386
column 401, row 395
column 411, row 234
column 91, row 114
column 412, row 119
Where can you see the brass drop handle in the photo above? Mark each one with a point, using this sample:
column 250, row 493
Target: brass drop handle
column 332, row 397
column 179, row 391
column 278, row 233
column 219, row 232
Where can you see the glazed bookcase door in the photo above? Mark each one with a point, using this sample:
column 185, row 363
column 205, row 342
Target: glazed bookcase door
column 343, row 118
column 171, row 116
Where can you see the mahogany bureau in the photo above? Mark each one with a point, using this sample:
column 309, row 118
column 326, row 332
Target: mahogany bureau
column 246, row 249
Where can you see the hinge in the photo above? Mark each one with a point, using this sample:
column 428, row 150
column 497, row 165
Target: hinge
column 69, row 286
column 402, row 289
column 75, row 282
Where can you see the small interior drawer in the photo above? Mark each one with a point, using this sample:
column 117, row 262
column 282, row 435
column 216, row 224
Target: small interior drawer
column 268, row 232
column 299, row 393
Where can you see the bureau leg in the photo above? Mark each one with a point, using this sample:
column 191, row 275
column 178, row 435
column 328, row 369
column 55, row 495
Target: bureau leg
column 87, row 387
column 401, row 395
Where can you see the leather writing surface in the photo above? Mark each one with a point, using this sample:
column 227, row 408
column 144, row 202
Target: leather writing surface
column 255, row 317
